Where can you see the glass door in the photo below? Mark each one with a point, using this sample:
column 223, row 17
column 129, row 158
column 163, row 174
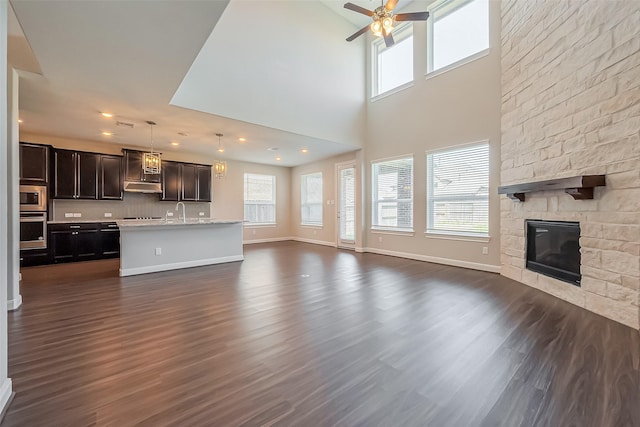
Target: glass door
column 346, row 205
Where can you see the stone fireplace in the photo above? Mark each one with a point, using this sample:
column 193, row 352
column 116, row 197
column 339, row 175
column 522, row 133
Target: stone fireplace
column 570, row 107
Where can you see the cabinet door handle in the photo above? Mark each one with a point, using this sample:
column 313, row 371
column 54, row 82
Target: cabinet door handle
column 74, row 226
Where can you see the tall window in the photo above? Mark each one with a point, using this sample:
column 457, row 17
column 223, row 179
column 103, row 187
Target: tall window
column 392, row 194
column 392, row 66
column 458, row 29
column 259, row 198
column 458, row 191
column 311, row 199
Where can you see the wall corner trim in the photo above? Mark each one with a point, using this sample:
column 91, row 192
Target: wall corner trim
column 6, row 396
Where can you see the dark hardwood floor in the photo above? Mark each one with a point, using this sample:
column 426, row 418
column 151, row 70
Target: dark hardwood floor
column 304, row 335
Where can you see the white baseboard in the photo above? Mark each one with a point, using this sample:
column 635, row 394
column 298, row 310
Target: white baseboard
column 13, row 304
column 6, row 394
column 179, row 265
column 268, row 240
column 437, row 260
column 315, row 242
column 360, row 250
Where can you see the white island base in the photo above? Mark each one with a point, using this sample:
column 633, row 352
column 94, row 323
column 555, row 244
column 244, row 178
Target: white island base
column 150, row 246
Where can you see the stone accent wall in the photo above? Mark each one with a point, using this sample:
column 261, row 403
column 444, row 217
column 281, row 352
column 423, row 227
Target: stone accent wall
column 571, row 106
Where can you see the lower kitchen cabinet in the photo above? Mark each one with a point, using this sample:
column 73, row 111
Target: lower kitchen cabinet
column 71, row 242
column 31, row 257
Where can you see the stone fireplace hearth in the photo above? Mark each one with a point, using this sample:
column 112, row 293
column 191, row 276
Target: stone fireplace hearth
column 571, row 106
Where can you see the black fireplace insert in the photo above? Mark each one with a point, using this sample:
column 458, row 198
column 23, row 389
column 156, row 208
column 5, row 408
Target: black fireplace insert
column 553, row 249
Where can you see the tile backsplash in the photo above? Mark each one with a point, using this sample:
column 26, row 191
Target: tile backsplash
column 133, row 205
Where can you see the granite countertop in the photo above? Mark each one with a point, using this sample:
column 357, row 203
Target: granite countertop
column 175, row 222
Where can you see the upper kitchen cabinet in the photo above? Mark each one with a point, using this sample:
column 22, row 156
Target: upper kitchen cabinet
column 204, row 183
column 75, row 175
column 111, row 183
column 133, row 168
column 171, row 182
column 189, row 182
column 34, row 163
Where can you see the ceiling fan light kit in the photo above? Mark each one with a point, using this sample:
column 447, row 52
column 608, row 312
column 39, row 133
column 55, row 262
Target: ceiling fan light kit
column 383, row 20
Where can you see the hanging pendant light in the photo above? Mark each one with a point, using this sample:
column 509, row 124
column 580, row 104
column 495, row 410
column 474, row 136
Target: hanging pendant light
column 219, row 166
column 151, row 161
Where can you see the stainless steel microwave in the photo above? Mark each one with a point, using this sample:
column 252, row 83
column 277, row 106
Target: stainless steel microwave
column 33, row 198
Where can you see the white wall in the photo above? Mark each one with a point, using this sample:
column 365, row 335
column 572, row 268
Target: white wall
column 5, row 381
column 287, row 67
column 14, row 298
column 457, row 107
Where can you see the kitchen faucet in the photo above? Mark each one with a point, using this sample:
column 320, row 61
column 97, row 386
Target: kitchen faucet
column 184, row 215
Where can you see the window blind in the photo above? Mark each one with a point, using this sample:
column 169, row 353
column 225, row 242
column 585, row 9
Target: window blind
column 311, row 199
column 259, row 198
column 392, row 194
column 458, row 191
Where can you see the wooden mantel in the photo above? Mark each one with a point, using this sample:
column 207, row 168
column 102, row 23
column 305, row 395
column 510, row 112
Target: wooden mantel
column 579, row 187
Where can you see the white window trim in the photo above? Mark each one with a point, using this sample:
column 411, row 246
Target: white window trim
column 249, row 224
column 458, row 64
column 312, row 224
column 373, row 63
column 314, row 227
column 459, row 235
column 392, row 230
column 461, row 62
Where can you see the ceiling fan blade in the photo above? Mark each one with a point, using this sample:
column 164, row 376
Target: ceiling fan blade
column 415, row 16
column 358, row 9
column 388, row 38
column 358, row 33
column 390, row 5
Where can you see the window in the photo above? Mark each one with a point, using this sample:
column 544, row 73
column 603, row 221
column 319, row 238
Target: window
column 392, row 66
column 393, row 194
column 311, row 199
column 458, row 191
column 458, row 29
column 259, row 198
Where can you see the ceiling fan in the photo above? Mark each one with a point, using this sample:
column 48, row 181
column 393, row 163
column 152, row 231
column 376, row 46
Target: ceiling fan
column 383, row 20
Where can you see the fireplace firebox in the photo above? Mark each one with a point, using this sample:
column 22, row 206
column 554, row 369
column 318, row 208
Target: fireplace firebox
column 553, row 249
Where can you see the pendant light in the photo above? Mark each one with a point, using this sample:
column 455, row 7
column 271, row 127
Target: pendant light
column 219, row 166
column 151, row 161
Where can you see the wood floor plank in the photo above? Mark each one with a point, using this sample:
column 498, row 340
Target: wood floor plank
column 305, row 335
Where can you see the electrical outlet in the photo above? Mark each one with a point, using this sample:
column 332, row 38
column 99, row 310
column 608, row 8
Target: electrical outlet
column 201, row 213
column 315, row 232
column 158, row 251
column 253, row 232
column 107, row 215
column 68, row 215
column 77, row 215
column 328, row 202
column 169, row 213
column 485, row 250
column 379, row 239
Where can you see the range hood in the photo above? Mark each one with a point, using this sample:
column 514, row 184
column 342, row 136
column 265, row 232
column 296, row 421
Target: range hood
column 142, row 187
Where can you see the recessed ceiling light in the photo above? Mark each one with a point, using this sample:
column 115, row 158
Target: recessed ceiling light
column 304, row 150
column 107, row 133
column 175, row 143
column 242, row 139
column 108, row 115
column 278, row 158
column 273, row 149
column 19, row 120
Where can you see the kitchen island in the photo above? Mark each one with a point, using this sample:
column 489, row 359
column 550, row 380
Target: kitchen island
column 148, row 246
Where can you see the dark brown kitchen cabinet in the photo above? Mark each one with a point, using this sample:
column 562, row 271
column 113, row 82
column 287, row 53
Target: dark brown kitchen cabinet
column 171, row 181
column 111, row 184
column 34, row 163
column 71, row 242
column 109, row 240
column 75, row 175
column 133, row 168
column 189, row 182
column 204, row 183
